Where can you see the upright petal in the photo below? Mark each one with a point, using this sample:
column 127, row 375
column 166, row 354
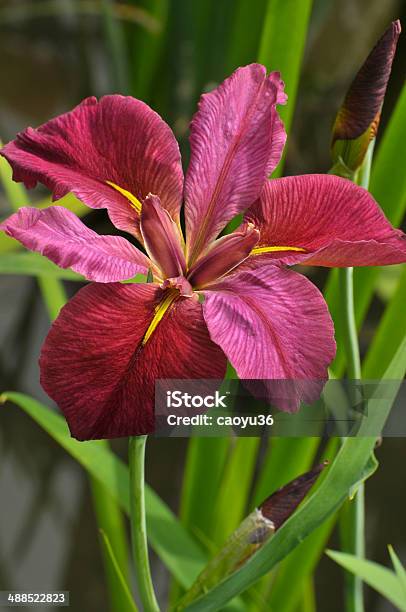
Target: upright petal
column 162, row 238
column 236, row 141
column 223, row 256
column 59, row 235
column 110, row 153
column 336, row 222
column 97, row 366
column 273, row 324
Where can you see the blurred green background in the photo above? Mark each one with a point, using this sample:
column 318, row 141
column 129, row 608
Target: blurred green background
column 53, row 54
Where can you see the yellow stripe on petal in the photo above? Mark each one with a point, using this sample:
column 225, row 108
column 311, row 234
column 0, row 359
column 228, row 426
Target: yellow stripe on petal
column 275, row 249
column 160, row 311
column 135, row 203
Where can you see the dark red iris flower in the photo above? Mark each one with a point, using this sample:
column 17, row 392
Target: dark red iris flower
column 212, row 298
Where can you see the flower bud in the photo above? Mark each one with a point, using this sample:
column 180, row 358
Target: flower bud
column 357, row 120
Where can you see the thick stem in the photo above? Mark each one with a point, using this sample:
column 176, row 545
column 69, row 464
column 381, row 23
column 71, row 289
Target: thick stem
column 136, row 452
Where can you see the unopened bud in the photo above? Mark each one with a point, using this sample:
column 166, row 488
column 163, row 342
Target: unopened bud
column 357, row 121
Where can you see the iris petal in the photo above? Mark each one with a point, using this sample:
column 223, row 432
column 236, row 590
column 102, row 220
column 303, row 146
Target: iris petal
column 273, row 325
column 95, row 367
column 337, row 223
column 236, row 141
column 117, row 140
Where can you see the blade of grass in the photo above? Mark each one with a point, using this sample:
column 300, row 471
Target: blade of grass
column 388, row 336
column 204, row 465
column 281, row 48
column 122, row 586
column 116, row 46
column 170, row 540
column 378, row 577
column 115, row 555
column 147, row 49
column 351, row 466
column 232, row 498
column 245, row 33
column 34, row 264
column 399, row 569
column 309, row 596
column 285, row 459
column 299, row 565
column 15, row 192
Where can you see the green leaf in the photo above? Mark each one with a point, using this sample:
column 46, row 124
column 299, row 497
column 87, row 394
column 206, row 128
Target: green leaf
column 351, row 466
column 286, row 20
column 177, row 549
column 300, row 564
column 34, row 264
column 115, row 43
column 124, row 594
column 15, row 192
column 203, row 469
column 204, row 465
column 147, row 48
column 234, row 488
column 389, row 334
column 399, row 569
column 376, row 576
column 111, row 522
column 245, row 33
column 53, row 294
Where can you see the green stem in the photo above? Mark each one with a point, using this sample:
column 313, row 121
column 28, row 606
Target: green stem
column 136, row 457
column 352, row 517
column 352, row 520
column 350, row 328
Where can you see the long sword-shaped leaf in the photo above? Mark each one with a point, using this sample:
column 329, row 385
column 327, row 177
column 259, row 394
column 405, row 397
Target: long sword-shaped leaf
column 127, row 602
column 399, row 569
column 389, row 334
column 245, row 35
column 234, row 488
column 34, row 264
column 300, row 564
column 177, row 549
column 378, row 577
column 351, row 466
column 281, row 48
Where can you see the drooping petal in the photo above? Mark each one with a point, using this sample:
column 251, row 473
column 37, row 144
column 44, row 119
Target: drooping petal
column 116, row 140
column 223, row 256
column 336, row 222
column 100, row 370
column 273, row 324
column 58, row 234
column 236, row 141
column 162, row 238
